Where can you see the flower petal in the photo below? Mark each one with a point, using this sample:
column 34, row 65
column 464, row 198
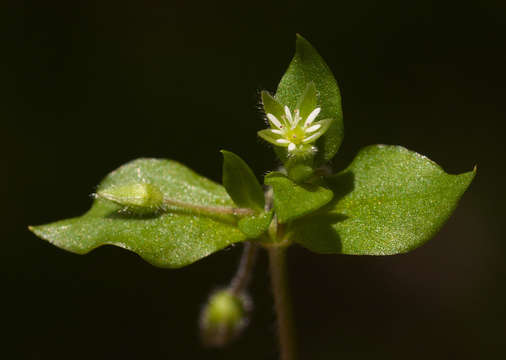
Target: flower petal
column 296, row 118
column 313, row 128
column 288, row 115
column 274, row 121
column 312, row 116
column 319, row 132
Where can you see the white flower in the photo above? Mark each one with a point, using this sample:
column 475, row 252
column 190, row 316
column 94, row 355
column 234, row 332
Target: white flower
column 295, row 130
column 294, row 134
column 290, row 130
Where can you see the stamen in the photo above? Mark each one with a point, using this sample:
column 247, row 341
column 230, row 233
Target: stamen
column 313, row 128
column 312, row 116
column 274, row 121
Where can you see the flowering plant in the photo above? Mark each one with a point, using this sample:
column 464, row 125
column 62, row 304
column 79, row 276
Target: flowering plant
column 389, row 200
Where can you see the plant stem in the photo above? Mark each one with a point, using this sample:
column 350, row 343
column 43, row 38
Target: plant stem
column 243, row 275
column 279, row 281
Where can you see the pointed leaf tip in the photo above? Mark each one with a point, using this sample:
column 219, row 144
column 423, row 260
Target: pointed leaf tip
column 388, row 201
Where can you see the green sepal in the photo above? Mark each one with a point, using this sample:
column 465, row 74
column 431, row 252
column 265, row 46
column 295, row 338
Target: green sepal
column 254, row 226
column 270, row 137
column 292, row 200
column 307, row 102
column 308, row 66
column 172, row 238
column 240, row 182
column 388, row 201
column 272, row 106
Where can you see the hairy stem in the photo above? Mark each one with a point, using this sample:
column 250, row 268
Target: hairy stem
column 221, row 210
column 243, row 275
column 279, row 281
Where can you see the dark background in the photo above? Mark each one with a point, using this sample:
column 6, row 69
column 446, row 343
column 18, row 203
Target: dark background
column 87, row 86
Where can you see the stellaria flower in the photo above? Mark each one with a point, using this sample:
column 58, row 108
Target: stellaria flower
column 296, row 130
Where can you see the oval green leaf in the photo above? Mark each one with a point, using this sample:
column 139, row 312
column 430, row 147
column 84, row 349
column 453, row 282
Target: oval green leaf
column 172, row 238
column 388, row 201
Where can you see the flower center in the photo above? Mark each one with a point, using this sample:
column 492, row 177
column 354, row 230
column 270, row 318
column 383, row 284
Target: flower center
column 295, row 135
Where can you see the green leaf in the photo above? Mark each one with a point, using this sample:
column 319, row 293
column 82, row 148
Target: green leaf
column 292, row 200
column 244, row 188
column 173, row 238
column 307, row 66
column 240, row 182
column 254, row 226
column 388, row 201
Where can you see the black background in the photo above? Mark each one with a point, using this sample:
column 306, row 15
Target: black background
column 87, row 86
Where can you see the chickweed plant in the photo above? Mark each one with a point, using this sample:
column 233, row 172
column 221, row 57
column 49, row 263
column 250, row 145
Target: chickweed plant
column 388, row 201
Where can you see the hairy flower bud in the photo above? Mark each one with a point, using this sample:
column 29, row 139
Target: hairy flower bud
column 223, row 318
column 140, row 197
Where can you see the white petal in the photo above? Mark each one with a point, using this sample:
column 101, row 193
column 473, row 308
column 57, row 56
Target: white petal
column 282, row 141
column 310, row 138
column 313, row 128
column 296, row 119
column 291, row 147
column 288, row 114
column 312, row 116
column 276, row 131
column 274, row 120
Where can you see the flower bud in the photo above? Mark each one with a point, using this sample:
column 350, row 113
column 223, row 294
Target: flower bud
column 223, row 318
column 140, row 197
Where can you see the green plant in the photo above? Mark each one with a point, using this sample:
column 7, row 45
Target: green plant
column 388, row 201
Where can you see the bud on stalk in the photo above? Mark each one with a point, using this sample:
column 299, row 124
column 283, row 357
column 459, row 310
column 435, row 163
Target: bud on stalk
column 223, row 318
